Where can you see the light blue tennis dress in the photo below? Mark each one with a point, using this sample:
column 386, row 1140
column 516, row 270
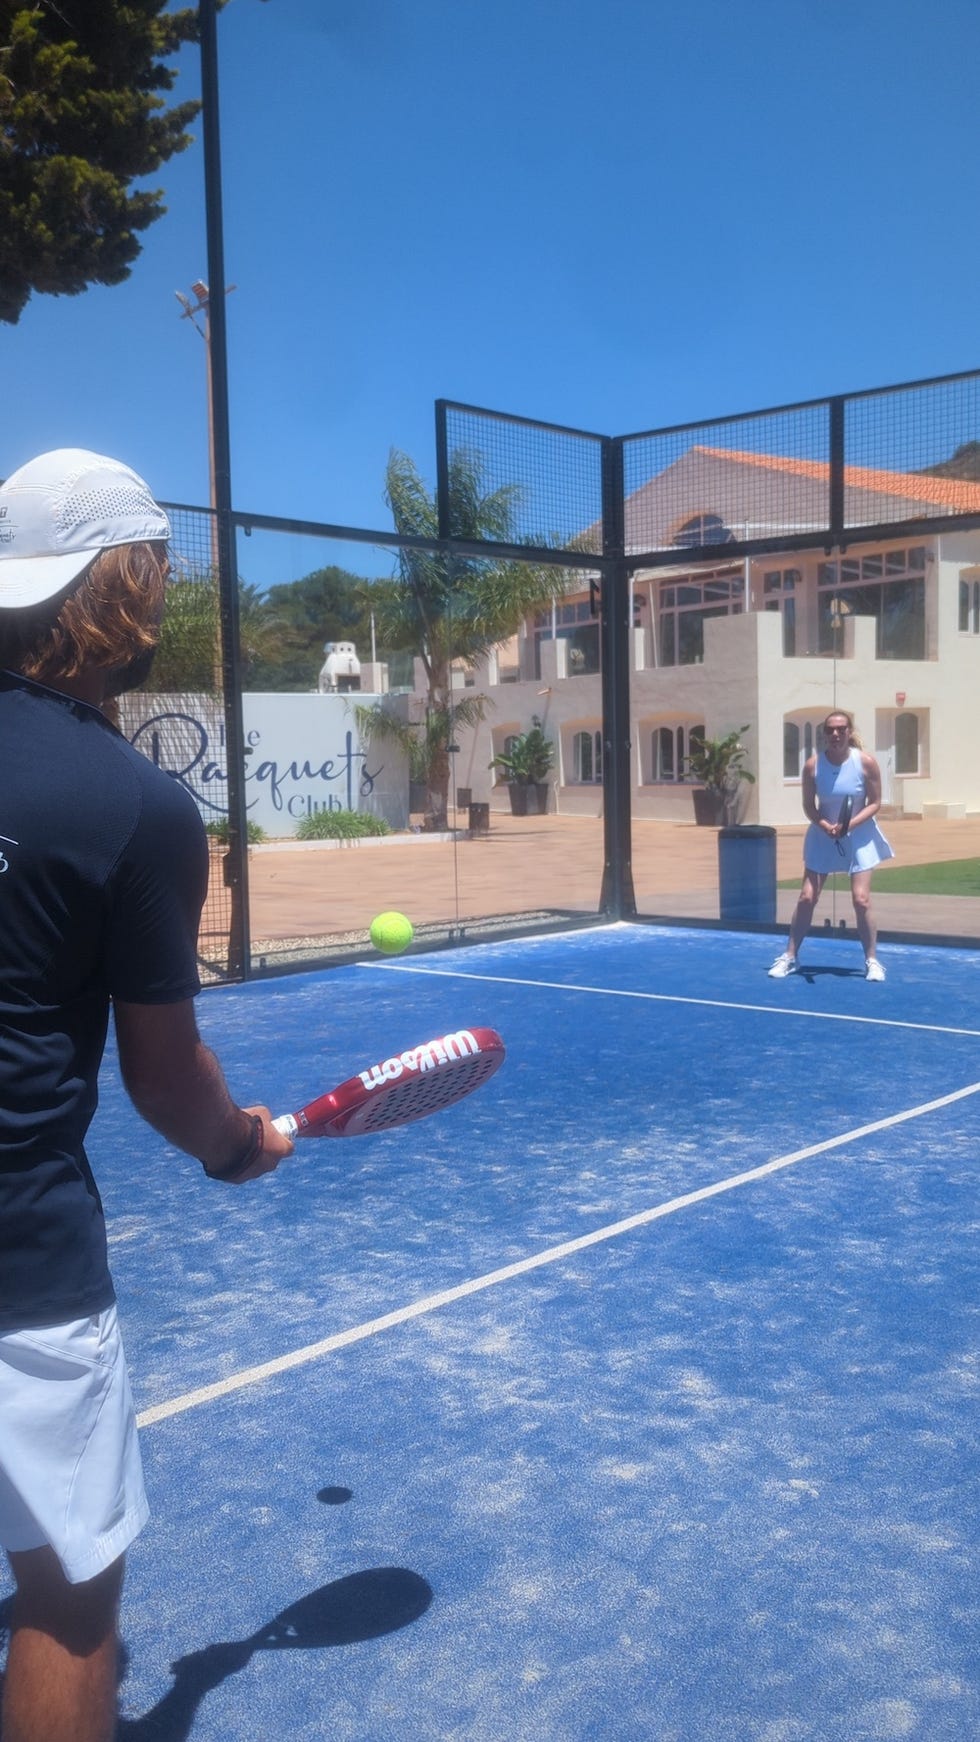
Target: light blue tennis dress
column 864, row 847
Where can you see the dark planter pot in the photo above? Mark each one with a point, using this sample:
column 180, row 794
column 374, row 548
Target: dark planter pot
column 709, row 807
column 529, row 801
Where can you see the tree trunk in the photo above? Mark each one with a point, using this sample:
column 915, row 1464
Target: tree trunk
column 437, row 802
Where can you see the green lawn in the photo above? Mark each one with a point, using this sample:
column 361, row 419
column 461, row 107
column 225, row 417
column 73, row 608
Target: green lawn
column 948, row 877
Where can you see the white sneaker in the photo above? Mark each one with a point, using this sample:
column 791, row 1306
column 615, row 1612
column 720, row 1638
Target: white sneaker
column 784, row 965
column 873, row 969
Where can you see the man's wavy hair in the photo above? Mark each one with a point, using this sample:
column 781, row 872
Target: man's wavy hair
column 108, row 618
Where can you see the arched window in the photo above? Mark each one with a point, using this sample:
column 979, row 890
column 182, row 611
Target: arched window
column 587, row 758
column 506, row 749
column 703, row 529
column 664, row 765
column 906, row 744
column 670, row 747
column 799, row 740
column 791, row 750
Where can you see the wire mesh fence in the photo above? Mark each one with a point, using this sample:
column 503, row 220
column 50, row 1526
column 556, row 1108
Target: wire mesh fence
column 549, row 478
column 761, row 477
column 792, row 476
column 677, row 542
column 913, row 453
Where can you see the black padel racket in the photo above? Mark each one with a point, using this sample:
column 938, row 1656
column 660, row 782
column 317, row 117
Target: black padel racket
column 409, row 1086
column 844, row 821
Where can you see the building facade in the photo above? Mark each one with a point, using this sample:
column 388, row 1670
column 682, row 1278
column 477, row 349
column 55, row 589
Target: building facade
column 887, row 627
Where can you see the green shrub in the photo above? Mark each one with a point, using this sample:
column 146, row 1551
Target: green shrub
column 218, row 830
column 340, row 826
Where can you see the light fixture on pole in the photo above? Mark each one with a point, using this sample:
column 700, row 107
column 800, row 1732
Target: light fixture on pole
column 202, row 307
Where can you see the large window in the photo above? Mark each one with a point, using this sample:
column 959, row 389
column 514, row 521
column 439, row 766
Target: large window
column 575, row 624
column 779, row 587
column 888, row 586
column 670, row 747
column 683, row 607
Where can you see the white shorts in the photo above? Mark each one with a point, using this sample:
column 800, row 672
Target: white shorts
column 70, row 1470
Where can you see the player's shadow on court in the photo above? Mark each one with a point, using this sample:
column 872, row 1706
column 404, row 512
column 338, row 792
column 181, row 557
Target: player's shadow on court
column 361, row 1606
column 812, row 974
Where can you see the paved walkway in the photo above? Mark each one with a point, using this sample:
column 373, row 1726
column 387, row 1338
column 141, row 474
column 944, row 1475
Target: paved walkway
column 536, row 864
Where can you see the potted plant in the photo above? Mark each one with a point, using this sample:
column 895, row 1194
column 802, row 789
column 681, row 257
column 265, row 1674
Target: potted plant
column 718, row 764
column 526, row 767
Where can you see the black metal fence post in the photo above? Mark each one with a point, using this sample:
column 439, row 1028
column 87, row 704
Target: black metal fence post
column 617, row 898
column 836, row 506
column 236, row 862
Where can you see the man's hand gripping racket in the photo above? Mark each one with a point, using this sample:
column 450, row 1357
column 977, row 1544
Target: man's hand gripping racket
column 409, row 1086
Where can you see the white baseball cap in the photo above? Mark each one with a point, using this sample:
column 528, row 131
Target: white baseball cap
column 58, row 512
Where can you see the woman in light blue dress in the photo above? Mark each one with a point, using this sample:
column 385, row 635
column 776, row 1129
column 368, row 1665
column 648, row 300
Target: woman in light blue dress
column 840, row 770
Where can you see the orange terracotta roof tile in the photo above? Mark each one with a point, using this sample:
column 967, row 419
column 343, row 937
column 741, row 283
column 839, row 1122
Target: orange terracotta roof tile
column 956, row 494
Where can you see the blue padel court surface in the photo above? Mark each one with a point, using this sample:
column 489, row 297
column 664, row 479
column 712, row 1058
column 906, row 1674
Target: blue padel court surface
column 634, row 1398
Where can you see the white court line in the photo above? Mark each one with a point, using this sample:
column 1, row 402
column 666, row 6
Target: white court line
column 668, row 998
column 343, row 1339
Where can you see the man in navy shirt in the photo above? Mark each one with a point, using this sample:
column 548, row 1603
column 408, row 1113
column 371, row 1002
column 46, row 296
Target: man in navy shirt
column 103, row 872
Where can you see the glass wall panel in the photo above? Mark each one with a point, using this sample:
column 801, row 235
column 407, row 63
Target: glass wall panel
column 530, row 751
column 177, row 718
column 443, row 761
column 884, row 630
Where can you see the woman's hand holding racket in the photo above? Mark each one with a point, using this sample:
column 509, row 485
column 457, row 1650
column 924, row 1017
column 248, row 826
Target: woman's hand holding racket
column 843, row 823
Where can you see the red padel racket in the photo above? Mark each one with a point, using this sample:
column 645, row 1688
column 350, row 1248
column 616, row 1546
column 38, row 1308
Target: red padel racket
column 409, row 1086
column 844, row 820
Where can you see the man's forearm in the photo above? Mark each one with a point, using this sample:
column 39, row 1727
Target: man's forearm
column 195, row 1110
column 176, row 1083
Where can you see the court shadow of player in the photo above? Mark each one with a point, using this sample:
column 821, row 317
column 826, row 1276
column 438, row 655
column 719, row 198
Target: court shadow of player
column 811, row 974
column 359, row 1607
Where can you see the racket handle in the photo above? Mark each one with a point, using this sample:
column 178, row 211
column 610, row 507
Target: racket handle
column 286, row 1125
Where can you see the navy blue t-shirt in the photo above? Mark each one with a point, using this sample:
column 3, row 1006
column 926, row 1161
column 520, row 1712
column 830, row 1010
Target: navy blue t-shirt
column 103, row 873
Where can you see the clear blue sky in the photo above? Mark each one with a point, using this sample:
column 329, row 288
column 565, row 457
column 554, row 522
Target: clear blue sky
column 616, row 214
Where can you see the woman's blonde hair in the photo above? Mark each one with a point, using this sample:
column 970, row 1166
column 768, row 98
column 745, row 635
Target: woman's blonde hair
column 108, row 619
column 853, row 737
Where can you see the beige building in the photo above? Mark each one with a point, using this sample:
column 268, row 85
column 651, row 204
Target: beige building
column 887, row 627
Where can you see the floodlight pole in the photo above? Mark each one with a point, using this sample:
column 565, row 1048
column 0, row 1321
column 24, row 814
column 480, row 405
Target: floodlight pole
column 202, row 307
column 236, row 858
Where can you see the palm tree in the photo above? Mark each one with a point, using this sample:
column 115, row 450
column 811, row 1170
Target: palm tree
column 450, row 609
column 189, row 657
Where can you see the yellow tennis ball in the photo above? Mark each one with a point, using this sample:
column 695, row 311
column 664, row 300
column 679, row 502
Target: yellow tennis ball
column 391, row 933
